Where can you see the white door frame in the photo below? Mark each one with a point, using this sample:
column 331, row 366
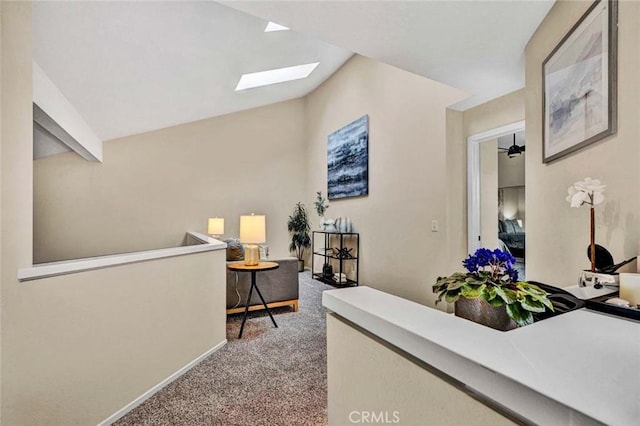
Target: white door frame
column 473, row 179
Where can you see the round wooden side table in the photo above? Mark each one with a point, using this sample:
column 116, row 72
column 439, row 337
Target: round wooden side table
column 261, row 266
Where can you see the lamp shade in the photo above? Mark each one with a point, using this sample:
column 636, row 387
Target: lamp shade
column 216, row 226
column 253, row 229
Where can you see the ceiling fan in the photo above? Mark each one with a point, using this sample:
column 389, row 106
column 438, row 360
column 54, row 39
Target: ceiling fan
column 514, row 149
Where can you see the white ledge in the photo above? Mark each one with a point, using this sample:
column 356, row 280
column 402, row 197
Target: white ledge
column 52, row 269
column 578, row 368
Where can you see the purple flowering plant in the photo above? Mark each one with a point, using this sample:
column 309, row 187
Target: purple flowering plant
column 491, row 276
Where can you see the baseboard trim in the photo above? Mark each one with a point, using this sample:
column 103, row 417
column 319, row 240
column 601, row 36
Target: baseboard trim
column 148, row 394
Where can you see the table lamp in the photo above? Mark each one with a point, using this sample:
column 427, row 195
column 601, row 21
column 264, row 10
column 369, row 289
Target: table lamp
column 252, row 232
column 216, row 226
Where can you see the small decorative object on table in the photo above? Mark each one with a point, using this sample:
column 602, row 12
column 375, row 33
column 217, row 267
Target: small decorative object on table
column 343, row 253
column 630, row 288
column 343, row 224
column 328, row 225
column 340, row 278
column 253, row 231
column 490, row 293
column 589, row 192
column 606, row 270
column 327, row 270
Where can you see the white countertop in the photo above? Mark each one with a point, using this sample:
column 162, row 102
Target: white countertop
column 576, row 368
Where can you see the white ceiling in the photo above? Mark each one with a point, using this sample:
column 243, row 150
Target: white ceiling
column 474, row 45
column 130, row 67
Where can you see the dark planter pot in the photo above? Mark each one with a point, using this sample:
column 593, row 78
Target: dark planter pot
column 300, row 265
column 478, row 310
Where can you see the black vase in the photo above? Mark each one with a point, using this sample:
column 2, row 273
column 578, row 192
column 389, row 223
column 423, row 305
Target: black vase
column 327, row 270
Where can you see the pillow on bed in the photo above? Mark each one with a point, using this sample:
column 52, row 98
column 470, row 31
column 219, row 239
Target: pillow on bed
column 501, row 226
column 512, row 226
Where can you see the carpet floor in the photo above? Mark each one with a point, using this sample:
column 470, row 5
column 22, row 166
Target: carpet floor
column 272, row 376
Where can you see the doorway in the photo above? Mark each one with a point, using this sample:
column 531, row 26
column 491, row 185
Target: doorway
column 496, row 191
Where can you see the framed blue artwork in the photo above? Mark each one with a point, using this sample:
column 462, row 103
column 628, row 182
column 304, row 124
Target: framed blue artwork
column 348, row 160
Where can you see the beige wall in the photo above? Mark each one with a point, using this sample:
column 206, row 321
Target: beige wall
column 513, row 203
column 82, row 346
column 522, row 211
column 407, row 171
column 493, row 114
column 456, row 189
column 77, row 348
column 511, row 174
column 460, row 125
column 1, row 192
column 558, row 235
column 154, row 186
column 16, row 147
column 511, row 170
column 384, row 382
column 489, row 194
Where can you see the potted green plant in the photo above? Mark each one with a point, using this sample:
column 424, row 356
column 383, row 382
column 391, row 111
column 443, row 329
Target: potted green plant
column 321, row 207
column 489, row 292
column 298, row 226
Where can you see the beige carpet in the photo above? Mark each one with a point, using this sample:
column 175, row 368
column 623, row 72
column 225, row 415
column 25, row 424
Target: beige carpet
column 272, row 376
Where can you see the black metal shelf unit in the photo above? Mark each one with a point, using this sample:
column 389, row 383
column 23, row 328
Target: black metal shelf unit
column 336, row 250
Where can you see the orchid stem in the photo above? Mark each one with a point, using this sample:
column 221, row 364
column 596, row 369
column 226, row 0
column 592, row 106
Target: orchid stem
column 593, row 240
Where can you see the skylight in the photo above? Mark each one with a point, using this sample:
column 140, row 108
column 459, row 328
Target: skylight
column 272, row 26
column 279, row 75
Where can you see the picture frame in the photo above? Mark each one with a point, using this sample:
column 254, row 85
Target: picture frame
column 348, row 160
column 579, row 84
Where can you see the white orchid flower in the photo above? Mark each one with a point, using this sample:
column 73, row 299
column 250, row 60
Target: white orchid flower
column 589, row 191
column 576, row 198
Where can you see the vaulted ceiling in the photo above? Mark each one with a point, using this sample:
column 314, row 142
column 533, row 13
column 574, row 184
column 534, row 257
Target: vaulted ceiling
column 130, row 67
column 474, row 45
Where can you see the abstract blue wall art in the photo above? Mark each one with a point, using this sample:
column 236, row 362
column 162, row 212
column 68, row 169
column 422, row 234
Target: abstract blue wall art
column 579, row 79
column 348, row 160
